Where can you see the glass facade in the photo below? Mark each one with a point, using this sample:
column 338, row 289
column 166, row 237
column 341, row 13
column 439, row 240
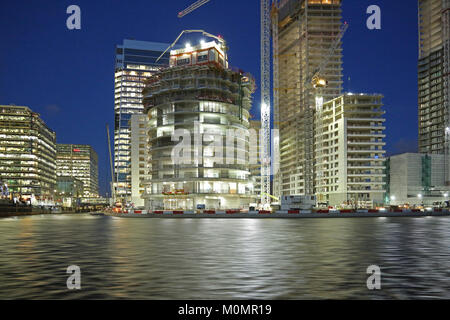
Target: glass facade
column 79, row 162
column 136, row 61
column 69, row 186
column 27, row 153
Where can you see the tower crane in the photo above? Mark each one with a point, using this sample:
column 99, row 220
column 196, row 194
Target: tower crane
column 192, row 7
column 265, row 92
column 316, row 82
column 315, row 79
column 265, row 102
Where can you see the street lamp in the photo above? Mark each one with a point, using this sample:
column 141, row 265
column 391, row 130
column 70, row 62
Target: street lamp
column 392, row 199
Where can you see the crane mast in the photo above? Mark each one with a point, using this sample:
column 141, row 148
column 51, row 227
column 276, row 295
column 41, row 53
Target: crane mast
column 276, row 101
column 265, row 102
column 315, row 75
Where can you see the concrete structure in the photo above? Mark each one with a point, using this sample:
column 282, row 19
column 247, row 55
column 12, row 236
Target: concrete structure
column 135, row 63
column 433, row 74
column 307, row 30
column 79, row 162
column 255, row 168
column 349, row 153
column 27, row 154
column 201, row 97
column 139, row 157
column 304, row 202
column 416, row 179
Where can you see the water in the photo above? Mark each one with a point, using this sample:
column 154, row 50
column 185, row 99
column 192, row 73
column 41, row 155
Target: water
column 223, row 259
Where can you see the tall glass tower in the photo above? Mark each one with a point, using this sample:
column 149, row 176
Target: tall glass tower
column 135, row 63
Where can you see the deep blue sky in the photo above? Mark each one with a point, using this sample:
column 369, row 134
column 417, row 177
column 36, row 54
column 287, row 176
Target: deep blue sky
column 68, row 76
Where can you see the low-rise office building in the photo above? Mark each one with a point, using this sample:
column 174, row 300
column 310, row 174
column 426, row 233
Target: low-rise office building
column 79, row 162
column 416, row 179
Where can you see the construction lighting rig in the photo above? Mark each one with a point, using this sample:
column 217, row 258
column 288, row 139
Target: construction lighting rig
column 218, row 38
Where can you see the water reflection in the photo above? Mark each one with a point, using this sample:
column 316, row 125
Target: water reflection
column 223, row 259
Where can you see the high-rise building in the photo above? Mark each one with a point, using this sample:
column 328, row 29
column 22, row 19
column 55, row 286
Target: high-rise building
column 79, row 162
column 27, row 153
column 139, row 157
column 350, row 162
column 307, row 30
column 433, row 74
column 135, row 63
column 201, row 97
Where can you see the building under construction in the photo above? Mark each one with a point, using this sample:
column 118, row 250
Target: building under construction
column 433, row 74
column 204, row 98
column 307, row 29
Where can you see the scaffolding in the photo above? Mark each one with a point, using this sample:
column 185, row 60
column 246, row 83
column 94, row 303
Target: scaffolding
column 276, row 103
column 446, row 80
column 265, row 102
column 306, row 32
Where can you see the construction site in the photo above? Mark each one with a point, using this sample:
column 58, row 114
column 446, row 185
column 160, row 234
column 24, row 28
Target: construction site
column 301, row 78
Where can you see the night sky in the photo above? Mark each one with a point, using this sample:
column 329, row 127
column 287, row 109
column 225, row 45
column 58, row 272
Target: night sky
column 68, row 75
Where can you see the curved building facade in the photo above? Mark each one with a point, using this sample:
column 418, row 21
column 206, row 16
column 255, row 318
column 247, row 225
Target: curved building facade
column 203, row 105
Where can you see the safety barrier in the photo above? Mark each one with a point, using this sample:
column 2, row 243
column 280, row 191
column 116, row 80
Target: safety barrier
column 279, row 212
